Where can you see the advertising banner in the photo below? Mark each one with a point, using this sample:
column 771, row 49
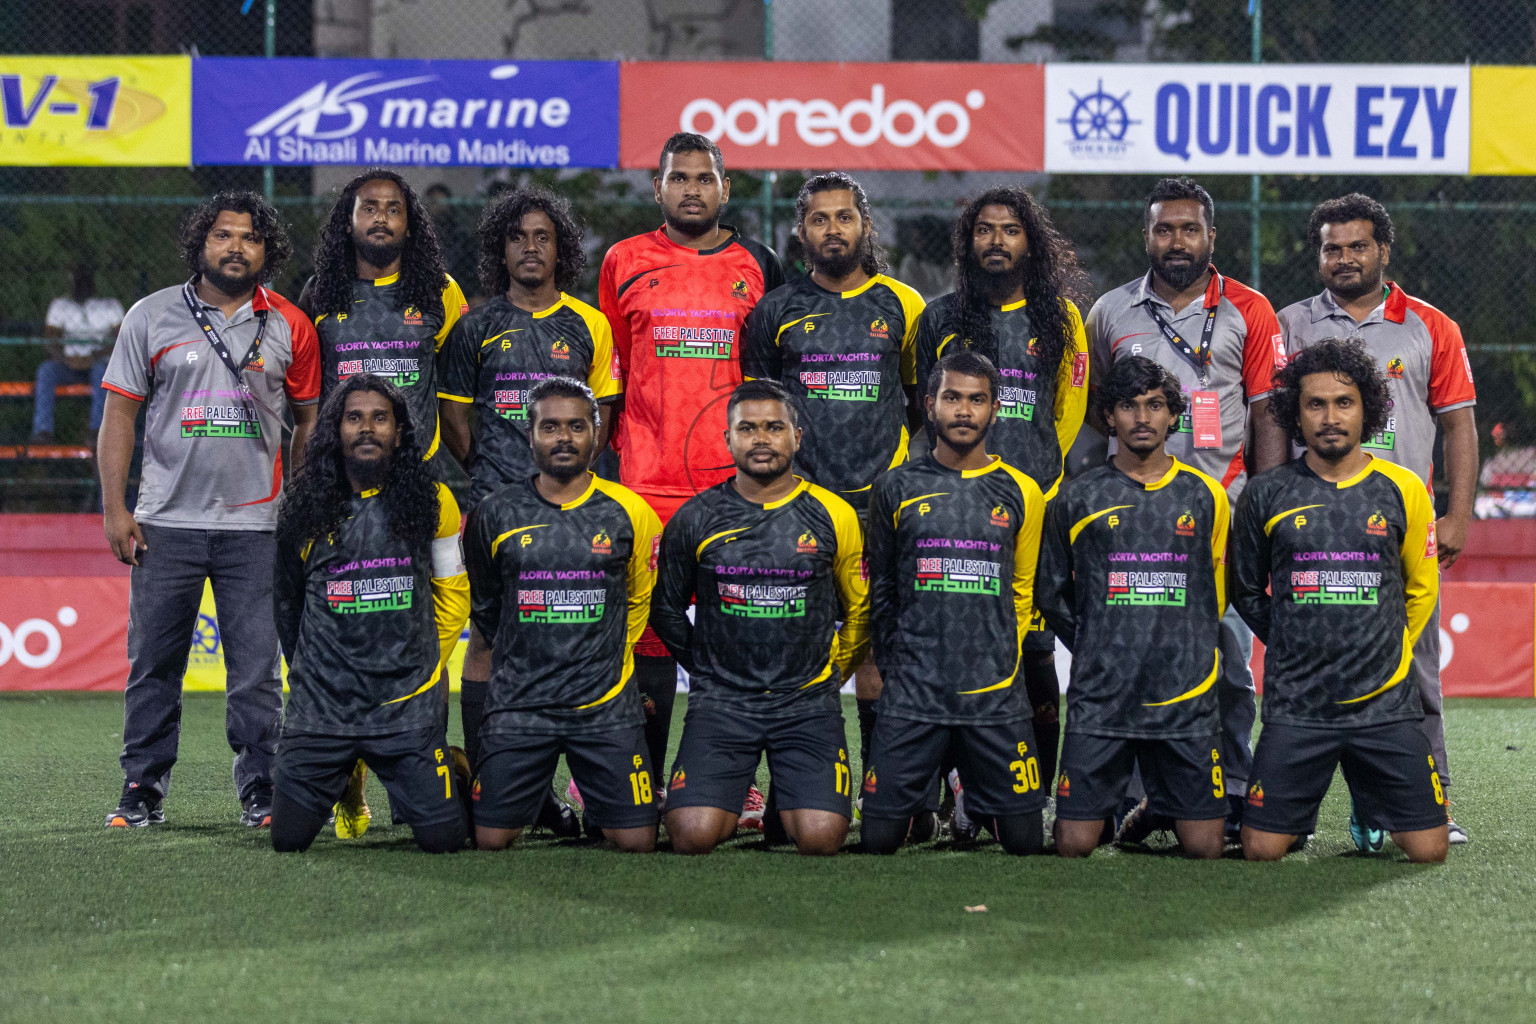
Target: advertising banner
column 1503, row 139
column 1257, row 118
column 96, row 111
column 785, row 115
column 484, row 113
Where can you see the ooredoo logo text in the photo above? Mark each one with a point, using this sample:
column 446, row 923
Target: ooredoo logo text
column 902, row 122
column 35, row 643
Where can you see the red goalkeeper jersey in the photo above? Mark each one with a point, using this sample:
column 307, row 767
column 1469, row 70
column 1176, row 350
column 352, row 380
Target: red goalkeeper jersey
column 678, row 316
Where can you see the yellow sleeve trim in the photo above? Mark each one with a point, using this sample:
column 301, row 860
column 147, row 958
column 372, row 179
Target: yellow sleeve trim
column 1219, row 531
column 1071, row 399
column 445, row 396
column 448, row 517
column 600, row 376
column 851, row 643
column 1404, row 663
column 1205, row 685
column 454, row 306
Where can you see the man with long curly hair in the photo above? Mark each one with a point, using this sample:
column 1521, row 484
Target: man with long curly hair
column 381, row 297
column 1221, row 339
column 531, row 330
column 370, row 594
column 1335, row 571
column 218, row 360
column 1016, row 282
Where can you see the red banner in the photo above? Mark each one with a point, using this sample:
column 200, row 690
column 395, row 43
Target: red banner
column 63, row 632
column 896, row 117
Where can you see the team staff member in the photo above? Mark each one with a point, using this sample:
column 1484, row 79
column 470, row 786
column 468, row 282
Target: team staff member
column 530, row 252
column 219, row 360
column 381, row 299
column 365, row 536
column 774, row 562
column 1336, row 573
column 1015, row 280
column 1425, row 361
column 562, row 566
column 1221, row 340
column 952, row 545
column 1132, row 579
column 678, row 299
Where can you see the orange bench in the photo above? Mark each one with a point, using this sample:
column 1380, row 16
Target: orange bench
column 14, row 452
column 24, row 389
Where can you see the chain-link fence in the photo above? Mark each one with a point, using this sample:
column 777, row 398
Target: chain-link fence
column 1463, row 243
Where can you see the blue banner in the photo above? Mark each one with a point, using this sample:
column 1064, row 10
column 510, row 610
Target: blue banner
column 482, row 113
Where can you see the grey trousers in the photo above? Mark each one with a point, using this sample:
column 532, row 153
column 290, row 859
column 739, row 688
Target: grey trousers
column 165, row 592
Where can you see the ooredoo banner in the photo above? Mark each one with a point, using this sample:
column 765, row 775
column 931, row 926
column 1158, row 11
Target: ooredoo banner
column 899, row 117
column 1257, row 118
column 122, row 111
column 486, row 113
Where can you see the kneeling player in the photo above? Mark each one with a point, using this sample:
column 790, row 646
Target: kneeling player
column 1336, row 574
column 953, row 540
column 561, row 566
column 364, row 536
column 1131, row 579
column 774, row 563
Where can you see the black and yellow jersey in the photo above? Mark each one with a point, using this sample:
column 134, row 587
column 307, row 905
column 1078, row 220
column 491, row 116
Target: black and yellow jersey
column 1042, row 407
column 1338, row 580
column 845, row 356
column 771, row 582
column 494, row 356
column 951, row 585
column 367, row 624
column 1132, row 579
column 382, row 336
column 561, row 593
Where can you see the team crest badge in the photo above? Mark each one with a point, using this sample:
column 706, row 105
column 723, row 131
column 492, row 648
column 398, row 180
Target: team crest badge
column 869, row 781
column 475, row 793
column 739, row 289
column 1185, row 527
column 1034, row 346
column 1395, row 368
column 602, row 544
column 679, row 780
column 878, row 328
column 412, row 316
column 1256, row 794
column 999, row 516
column 807, row 543
column 1063, row 786
column 1376, row 525
column 560, row 350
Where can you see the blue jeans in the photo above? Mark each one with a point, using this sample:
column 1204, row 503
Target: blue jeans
column 53, row 374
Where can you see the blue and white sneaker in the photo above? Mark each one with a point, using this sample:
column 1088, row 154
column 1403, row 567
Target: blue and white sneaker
column 1367, row 839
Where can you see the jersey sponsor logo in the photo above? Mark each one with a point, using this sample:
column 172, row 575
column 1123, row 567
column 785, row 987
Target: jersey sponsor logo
column 559, row 349
column 959, row 576
column 807, row 543
column 561, row 606
column 602, row 544
column 1331, row 586
column 878, row 328
column 1112, row 522
column 1384, row 439
column 511, row 405
column 370, row 594
column 411, row 316
column 1395, row 368
column 1079, row 369
column 1185, row 526
column 1299, row 521
column 1147, row 588
column 191, row 356
column 999, row 516
column 402, row 373
column 842, row 385
column 1016, row 403
column 762, row 600
column 693, row 342
column 1376, row 524
column 219, row 421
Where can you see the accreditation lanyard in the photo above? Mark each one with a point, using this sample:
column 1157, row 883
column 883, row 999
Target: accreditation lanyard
column 200, row 315
column 1201, row 358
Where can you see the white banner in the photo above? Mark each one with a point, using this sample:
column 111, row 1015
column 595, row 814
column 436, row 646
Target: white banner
column 1257, row 118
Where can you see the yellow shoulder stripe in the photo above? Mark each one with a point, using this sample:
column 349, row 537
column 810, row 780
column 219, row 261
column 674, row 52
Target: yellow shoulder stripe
column 512, row 533
column 1082, row 524
column 699, row 551
column 896, row 516
column 1275, row 521
column 792, row 323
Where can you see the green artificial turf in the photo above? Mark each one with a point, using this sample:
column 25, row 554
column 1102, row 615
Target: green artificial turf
column 198, row 920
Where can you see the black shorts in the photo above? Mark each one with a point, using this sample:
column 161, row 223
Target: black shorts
column 997, row 765
column 611, row 768
column 1389, row 770
column 414, row 766
column 1183, row 776
column 807, row 760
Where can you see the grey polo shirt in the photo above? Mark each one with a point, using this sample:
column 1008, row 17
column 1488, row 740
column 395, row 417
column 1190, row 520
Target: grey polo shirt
column 212, row 447
column 1419, row 348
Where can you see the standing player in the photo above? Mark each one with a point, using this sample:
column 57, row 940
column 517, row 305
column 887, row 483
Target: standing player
column 218, row 359
column 381, row 299
column 678, row 299
column 1015, row 280
column 530, row 252
column 1421, row 352
column 1131, row 578
column 562, row 565
column 774, row 563
column 1336, row 573
column 1221, row 340
column 953, row 541
column 364, row 538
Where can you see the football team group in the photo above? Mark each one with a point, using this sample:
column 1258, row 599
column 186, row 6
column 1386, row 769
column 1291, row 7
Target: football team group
column 782, row 488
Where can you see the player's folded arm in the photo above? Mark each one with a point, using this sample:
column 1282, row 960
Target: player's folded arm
column 288, row 597
column 485, row 584
column 675, row 579
column 880, row 559
column 1055, row 589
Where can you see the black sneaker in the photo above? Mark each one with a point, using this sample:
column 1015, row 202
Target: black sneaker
column 136, row 810
column 256, row 809
column 557, row 816
column 1139, row 823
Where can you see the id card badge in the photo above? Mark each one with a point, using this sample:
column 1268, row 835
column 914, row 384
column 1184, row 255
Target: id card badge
column 1205, row 409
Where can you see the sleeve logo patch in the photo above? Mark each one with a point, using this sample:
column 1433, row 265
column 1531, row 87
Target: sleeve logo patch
column 1079, row 369
column 613, row 366
column 1430, row 551
column 1277, row 340
column 655, row 551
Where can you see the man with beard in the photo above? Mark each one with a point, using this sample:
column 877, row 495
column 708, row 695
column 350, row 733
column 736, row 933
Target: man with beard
column 1221, row 340
column 1334, row 569
column 775, row 563
column 678, row 299
column 562, row 565
column 381, row 299
column 1016, row 278
column 219, row 359
column 364, row 537
column 1421, row 351
column 953, row 542
column 1132, row 579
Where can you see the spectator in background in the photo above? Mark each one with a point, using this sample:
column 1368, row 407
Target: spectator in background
column 80, row 329
column 456, row 237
